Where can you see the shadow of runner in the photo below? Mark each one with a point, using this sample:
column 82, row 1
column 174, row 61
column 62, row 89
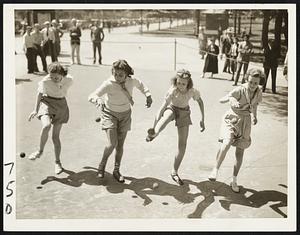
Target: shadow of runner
column 258, row 198
column 142, row 187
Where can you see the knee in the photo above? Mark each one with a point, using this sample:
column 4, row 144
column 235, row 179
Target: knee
column 46, row 127
column 55, row 139
column 111, row 146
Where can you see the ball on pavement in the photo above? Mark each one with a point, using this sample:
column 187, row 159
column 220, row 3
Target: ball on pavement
column 155, row 185
column 98, row 119
column 22, row 154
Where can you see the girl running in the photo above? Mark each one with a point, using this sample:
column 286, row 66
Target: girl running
column 116, row 111
column 52, row 109
column 236, row 123
column 176, row 107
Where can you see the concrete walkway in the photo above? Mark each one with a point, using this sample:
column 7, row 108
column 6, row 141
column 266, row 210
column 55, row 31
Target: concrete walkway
column 78, row 194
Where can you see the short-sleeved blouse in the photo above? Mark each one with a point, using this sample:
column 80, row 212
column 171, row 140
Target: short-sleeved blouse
column 179, row 99
column 55, row 89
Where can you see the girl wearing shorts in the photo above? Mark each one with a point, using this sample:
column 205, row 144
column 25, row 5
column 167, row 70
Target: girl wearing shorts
column 236, row 123
column 116, row 111
column 176, row 107
column 52, row 109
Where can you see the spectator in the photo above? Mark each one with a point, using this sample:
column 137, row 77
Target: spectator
column 29, row 49
column 97, row 37
column 227, row 42
column 58, row 34
column 49, row 41
column 37, row 40
column 211, row 60
column 233, row 56
column 271, row 53
column 285, row 67
column 202, row 39
column 245, row 49
column 75, row 34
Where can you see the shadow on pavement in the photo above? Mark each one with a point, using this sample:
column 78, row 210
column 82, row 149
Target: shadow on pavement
column 276, row 104
column 144, row 187
column 257, row 199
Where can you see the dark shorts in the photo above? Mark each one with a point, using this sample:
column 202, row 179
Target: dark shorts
column 56, row 108
column 119, row 120
column 182, row 116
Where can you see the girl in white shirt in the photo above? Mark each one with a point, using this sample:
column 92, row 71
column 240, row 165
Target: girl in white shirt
column 116, row 111
column 176, row 107
column 52, row 109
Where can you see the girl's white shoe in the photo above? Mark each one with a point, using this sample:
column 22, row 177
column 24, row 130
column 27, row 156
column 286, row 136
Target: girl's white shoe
column 58, row 168
column 235, row 188
column 213, row 175
column 35, row 155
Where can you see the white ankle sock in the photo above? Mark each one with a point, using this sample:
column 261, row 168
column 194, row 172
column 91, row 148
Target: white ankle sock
column 234, row 179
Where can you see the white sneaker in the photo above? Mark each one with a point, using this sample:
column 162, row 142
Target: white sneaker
column 35, row 155
column 58, row 168
column 213, row 175
column 235, row 188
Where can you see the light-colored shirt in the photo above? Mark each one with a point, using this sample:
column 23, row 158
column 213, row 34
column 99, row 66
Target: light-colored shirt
column 55, row 89
column 113, row 94
column 245, row 50
column 28, row 41
column 243, row 96
column 48, row 34
column 37, row 37
column 179, row 99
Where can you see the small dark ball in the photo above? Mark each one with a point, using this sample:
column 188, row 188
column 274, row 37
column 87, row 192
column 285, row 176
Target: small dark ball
column 22, row 155
column 98, row 119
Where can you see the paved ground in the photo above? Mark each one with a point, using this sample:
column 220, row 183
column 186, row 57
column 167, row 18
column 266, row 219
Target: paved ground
column 78, row 194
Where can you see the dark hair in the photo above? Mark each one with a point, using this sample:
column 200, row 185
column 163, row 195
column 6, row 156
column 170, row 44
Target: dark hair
column 123, row 65
column 254, row 72
column 184, row 74
column 56, row 67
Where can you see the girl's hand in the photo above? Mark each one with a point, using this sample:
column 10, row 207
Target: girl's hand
column 98, row 103
column 149, row 101
column 202, row 125
column 32, row 115
column 254, row 121
column 234, row 103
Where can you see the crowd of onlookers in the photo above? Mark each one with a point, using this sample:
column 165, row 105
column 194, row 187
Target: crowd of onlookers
column 43, row 42
column 237, row 52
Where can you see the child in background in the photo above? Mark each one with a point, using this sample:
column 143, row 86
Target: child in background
column 176, row 107
column 116, row 111
column 236, row 123
column 52, row 109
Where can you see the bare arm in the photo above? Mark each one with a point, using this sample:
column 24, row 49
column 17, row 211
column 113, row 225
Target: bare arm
column 36, row 107
column 201, row 106
column 254, row 114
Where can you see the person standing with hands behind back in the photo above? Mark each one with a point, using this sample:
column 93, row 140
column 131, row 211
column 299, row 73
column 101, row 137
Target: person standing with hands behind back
column 97, row 37
column 52, row 109
column 116, row 111
column 176, row 107
column 236, row 123
column 75, row 34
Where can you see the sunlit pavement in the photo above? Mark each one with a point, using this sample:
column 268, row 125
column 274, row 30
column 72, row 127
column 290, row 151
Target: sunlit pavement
column 78, row 193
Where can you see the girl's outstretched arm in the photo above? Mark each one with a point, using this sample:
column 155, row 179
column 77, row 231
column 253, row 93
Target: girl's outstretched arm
column 201, row 106
column 36, row 107
column 160, row 113
column 224, row 99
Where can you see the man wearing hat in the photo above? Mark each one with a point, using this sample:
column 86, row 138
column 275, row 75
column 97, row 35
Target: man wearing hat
column 37, row 40
column 48, row 41
column 58, row 34
column 28, row 47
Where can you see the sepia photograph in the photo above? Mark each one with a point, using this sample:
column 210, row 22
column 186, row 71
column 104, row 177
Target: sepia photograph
column 149, row 117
